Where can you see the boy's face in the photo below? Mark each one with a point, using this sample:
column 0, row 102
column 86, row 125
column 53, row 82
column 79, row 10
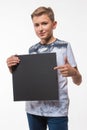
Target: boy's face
column 44, row 27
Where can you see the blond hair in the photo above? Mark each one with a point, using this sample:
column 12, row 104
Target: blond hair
column 43, row 10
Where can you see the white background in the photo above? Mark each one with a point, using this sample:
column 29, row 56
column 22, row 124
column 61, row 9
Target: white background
column 17, row 35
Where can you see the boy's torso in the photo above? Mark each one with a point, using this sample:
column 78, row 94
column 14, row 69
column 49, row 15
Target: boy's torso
column 58, row 107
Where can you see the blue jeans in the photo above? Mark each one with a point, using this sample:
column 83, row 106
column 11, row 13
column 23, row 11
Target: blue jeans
column 41, row 123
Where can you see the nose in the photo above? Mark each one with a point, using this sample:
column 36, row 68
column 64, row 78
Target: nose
column 40, row 27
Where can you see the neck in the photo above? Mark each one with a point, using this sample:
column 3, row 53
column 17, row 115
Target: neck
column 48, row 40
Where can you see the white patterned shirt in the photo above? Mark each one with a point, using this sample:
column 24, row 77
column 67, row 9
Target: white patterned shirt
column 53, row 108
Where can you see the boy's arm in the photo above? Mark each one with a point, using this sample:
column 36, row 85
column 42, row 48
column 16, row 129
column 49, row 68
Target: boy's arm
column 68, row 71
column 77, row 78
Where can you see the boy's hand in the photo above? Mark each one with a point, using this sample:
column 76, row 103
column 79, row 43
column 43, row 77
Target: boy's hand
column 66, row 70
column 12, row 61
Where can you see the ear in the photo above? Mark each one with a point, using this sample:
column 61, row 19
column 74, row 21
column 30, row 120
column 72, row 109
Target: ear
column 54, row 24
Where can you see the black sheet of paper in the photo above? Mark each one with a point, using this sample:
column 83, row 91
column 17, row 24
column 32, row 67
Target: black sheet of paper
column 34, row 78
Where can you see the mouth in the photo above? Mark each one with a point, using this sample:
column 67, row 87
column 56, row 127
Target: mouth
column 42, row 33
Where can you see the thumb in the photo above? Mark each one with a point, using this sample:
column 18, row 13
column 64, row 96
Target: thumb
column 66, row 60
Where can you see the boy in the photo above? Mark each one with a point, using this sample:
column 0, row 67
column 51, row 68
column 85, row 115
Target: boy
column 53, row 114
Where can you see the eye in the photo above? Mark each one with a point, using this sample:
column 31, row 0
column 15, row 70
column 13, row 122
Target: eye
column 36, row 24
column 44, row 23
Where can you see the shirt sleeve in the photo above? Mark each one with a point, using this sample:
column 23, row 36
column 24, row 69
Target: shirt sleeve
column 70, row 56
